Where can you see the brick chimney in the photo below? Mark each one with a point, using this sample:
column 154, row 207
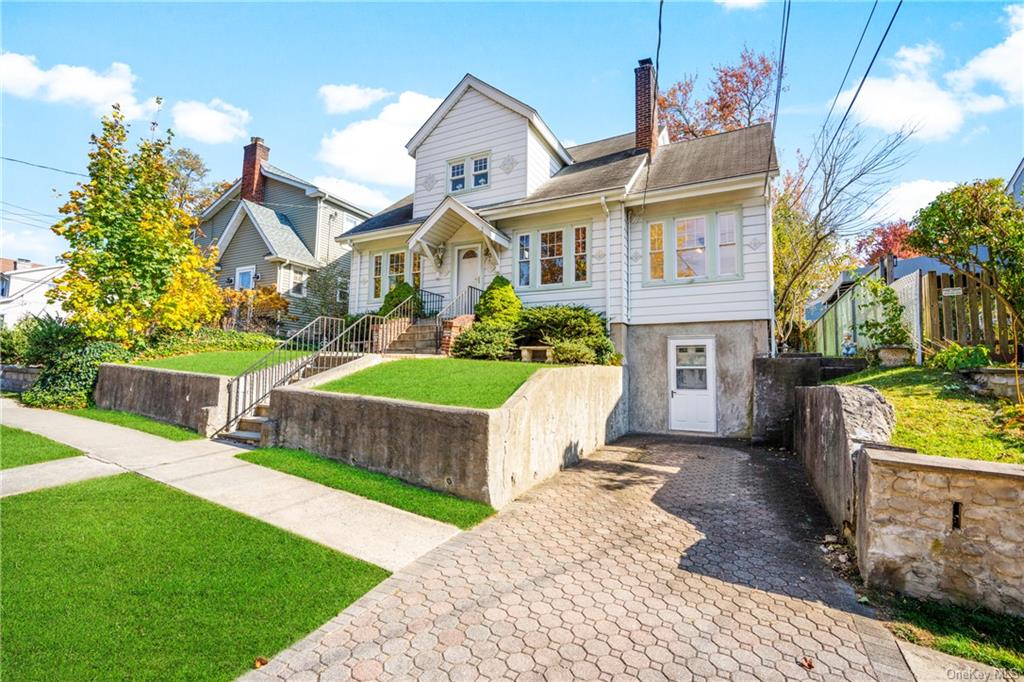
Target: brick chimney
column 646, row 97
column 252, row 180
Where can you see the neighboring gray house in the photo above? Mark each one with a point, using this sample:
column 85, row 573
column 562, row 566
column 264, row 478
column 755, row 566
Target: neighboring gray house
column 272, row 227
column 671, row 241
column 1015, row 187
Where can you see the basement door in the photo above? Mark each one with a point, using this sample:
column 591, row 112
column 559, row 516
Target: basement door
column 692, row 382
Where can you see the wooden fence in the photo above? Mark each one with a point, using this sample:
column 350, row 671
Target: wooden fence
column 957, row 308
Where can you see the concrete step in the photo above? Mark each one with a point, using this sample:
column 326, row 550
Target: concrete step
column 262, row 410
column 252, row 423
column 243, row 437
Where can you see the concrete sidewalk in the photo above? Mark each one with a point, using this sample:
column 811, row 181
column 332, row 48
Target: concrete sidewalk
column 382, row 535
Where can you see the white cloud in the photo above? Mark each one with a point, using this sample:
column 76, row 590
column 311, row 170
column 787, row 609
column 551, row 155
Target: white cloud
column 37, row 244
column 373, row 150
column 213, row 123
column 360, row 195
column 21, row 76
column 913, row 96
column 740, row 4
column 907, row 198
column 1000, row 65
column 342, row 99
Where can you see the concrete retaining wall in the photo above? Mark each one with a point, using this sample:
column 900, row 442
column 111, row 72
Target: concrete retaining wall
column 556, row 417
column 830, row 423
column 909, row 508
column 18, row 378
column 195, row 401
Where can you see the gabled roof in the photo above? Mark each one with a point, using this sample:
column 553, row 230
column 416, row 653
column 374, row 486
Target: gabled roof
column 504, row 99
column 448, row 217
column 395, row 215
column 274, row 228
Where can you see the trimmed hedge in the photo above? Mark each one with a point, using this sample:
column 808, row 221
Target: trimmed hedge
column 485, row 341
column 499, row 303
column 205, row 340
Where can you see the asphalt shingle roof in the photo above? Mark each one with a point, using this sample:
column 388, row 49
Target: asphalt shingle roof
column 398, row 213
column 599, row 148
column 279, row 232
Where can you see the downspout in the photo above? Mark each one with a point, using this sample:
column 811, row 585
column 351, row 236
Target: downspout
column 607, row 263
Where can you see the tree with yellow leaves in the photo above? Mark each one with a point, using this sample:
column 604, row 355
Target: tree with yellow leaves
column 133, row 269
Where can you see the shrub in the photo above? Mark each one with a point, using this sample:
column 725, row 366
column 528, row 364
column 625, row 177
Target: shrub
column 205, row 340
column 559, row 322
column 888, row 329
column 397, row 295
column 14, row 341
column 499, row 303
column 485, row 341
column 259, row 309
column 959, row 357
column 573, row 353
column 68, row 378
column 49, row 337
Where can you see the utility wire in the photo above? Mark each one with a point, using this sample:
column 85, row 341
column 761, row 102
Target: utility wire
column 856, row 93
column 654, row 106
column 783, row 37
column 44, row 167
column 30, row 210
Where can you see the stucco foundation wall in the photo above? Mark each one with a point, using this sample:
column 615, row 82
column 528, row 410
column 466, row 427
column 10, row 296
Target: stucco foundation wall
column 736, row 346
column 18, row 378
column 196, row 401
column 556, row 417
column 906, row 538
column 830, row 422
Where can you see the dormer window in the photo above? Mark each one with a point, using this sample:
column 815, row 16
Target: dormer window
column 468, row 173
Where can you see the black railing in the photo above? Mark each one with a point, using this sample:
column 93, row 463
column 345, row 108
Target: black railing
column 463, row 304
column 432, row 303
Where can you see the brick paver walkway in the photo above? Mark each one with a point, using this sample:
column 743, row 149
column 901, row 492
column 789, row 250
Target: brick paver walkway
column 651, row 560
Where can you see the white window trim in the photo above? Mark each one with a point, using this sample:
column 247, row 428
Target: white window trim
column 301, row 293
column 568, row 257
column 245, row 268
column 711, row 245
column 385, row 271
column 467, row 173
column 705, row 248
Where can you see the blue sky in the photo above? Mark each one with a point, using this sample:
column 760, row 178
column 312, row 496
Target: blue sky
column 228, row 71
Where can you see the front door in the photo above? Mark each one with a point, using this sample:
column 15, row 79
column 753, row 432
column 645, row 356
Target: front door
column 468, row 272
column 691, row 384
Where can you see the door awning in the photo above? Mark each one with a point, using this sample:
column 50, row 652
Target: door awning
column 449, row 217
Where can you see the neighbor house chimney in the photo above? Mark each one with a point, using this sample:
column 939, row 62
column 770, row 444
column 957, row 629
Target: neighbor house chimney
column 646, row 97
column 252, row 180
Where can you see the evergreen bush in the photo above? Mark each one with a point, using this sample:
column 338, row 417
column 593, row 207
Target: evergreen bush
column 499, row 303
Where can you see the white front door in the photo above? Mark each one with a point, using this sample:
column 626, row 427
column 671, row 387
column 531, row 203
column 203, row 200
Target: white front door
column 468, row 269
column 691, row 384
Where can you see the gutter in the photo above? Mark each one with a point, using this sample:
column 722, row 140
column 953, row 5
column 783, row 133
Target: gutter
column 607, row 263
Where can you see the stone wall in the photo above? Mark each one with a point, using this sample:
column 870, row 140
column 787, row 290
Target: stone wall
column 559, row 415
column 830, row 424
column 942, row 528
column 18, row 378
column 999, row 382
column 195, row 401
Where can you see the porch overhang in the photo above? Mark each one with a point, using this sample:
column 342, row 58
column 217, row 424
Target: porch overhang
column 449, row 217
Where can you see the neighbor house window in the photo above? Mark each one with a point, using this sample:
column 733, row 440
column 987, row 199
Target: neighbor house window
column 481, row 171
column 727, row 244
column 396, row 268
column 656, row 248
column 552, row 264
column 378, row 267
column 417, row 270
column 457, row 176
column 524, row 260
column 299, row 282
column 245, row 277
column 691, row 258
column 339, row 292
column 348, row 222
column 580, row 254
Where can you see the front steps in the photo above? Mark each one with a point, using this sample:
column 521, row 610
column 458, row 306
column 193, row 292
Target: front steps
column 247, row 432
column 420, row 338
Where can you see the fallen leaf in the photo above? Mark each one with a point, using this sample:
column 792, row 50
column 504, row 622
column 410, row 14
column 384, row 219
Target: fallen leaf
column 830, row 538
column 260, row 662
column 807, row 663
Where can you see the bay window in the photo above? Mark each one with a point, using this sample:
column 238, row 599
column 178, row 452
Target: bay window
column 706, row 246
column 552, row 257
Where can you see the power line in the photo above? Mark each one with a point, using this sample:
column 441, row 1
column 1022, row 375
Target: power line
column 783, row 37
column 30, row 210
column 44, row 167
column 14, row 219
column 856, row 93
column 654, row 107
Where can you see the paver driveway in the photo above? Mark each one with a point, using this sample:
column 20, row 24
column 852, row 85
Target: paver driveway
column 652, row 559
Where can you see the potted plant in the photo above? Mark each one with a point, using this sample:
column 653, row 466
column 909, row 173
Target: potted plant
column 884, row 326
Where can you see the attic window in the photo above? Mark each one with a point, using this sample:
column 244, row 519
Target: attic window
column 469, row 173
column 457, row 175
column 481, row 168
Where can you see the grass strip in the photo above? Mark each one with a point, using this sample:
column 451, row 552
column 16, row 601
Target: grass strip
column 19, row 448
column 137, row 422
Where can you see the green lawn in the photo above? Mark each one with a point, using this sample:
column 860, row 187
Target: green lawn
column 122, row 578
column 137, row 422
column 444, row 381
column 979, row 635
column 937, row 415
column 18, row 448
column 372, row 485
column 229, row 363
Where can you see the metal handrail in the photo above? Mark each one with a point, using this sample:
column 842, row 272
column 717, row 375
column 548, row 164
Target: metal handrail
column 371, row 333
column 463, row 304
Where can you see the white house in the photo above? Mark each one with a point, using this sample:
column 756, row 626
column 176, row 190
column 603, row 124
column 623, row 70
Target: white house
column 23, row 293
column 670, row 241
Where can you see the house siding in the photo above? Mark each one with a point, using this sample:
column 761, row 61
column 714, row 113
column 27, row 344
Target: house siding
column 541, row 161
column 300, row 209
column 214, row 227
column 246, row 248
column 475, row 124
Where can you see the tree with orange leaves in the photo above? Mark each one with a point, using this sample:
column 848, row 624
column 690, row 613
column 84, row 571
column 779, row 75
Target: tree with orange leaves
column 886, row 238
column 740, row 96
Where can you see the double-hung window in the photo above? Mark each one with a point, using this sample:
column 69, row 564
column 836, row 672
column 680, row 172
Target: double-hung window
column 691, row 254
column 245, row 277
column 378, row 269
column 727, row 244
column 552, row 262
column 299, row 277
column 396, row 268
column 456, row 176
column 481, row 171
column 389, row 270
column 471, row 172
column 523, row 260
column 417, row 270
column 579, row 253
column 656, row 251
